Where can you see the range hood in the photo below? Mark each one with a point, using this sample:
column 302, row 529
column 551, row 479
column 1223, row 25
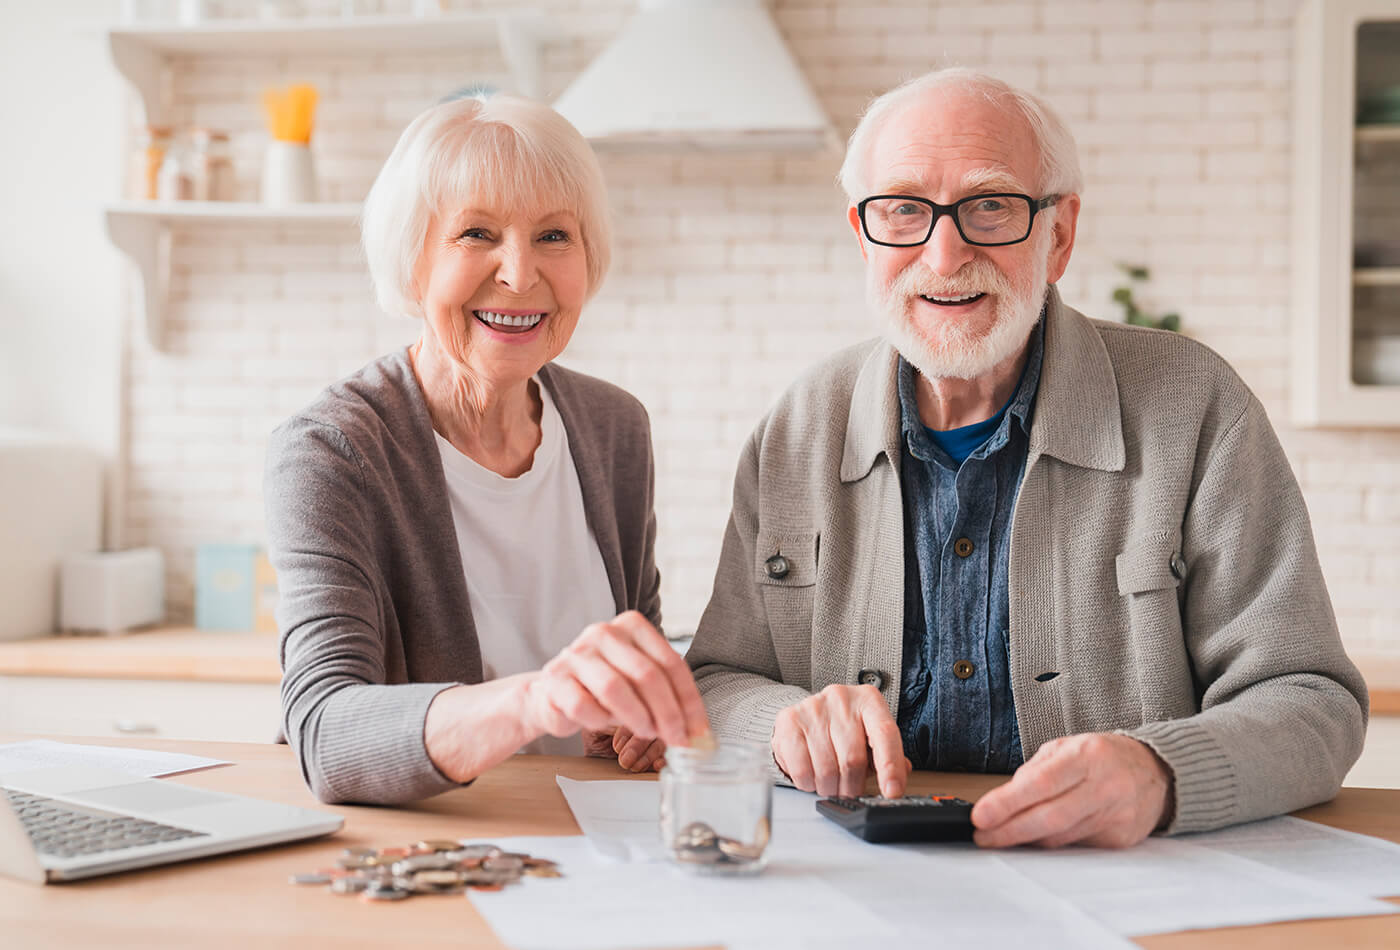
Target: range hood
column 706, row 74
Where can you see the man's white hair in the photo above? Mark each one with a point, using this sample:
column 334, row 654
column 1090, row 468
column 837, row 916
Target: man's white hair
column 518, row 154
column 1059, row 158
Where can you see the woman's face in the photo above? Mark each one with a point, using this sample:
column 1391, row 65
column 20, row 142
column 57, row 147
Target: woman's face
column 502, row 288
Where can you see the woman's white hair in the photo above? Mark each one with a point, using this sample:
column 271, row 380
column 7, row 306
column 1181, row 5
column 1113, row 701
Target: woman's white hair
column 1059, row 158
column 521, row 154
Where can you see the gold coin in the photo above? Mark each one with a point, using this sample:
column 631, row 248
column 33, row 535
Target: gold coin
column 437, row 844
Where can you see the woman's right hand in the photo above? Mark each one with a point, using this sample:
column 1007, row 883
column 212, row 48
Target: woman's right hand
column 618, row 674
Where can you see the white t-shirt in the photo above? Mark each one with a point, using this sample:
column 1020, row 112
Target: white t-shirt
column 534, row 574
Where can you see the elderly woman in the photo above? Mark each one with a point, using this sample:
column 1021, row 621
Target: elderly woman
column 446, row 521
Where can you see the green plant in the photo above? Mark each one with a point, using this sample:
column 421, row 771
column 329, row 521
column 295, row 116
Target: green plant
column 1134, row 314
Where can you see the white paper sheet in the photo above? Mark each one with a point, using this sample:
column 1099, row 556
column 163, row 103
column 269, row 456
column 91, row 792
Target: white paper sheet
column 1163, row 885
column 604, row 904
column 961, row 894
column 1355, row 863
column 44, row 753
column 1230, row 878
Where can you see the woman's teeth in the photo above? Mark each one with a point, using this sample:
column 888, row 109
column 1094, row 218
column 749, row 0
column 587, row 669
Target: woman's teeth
column 506, row 320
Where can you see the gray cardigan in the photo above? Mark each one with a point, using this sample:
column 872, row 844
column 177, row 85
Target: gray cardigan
column 1163, row 576
column 373, row 607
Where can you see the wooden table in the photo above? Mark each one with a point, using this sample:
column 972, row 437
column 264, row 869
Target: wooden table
column 244, row 900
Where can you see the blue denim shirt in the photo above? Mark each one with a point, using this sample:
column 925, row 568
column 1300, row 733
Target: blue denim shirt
column 955, row 707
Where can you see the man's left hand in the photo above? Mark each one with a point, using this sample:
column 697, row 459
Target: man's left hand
column 1098, row 789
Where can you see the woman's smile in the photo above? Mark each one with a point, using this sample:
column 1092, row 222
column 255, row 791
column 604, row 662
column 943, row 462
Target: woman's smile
column 516, row 324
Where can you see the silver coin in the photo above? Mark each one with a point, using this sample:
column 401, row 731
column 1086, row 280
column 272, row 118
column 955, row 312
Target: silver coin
column 421, row 862
column 504, row 862
column 358, row 852
column 384, row 892
column 349, row 885
column 316, row 878
column 696, row 835
column 469, row 850
column 707, row 855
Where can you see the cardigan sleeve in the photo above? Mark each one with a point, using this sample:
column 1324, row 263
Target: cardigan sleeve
column 734, row 658
column 1283, row 710
column 356, row 739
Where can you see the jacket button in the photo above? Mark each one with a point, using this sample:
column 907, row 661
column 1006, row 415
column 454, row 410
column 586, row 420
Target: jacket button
column 777, row 567
column 871, row 678
column 1178, row 567
column 963, row 669
column 962, row 547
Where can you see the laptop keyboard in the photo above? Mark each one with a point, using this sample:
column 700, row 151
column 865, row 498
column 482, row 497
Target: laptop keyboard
column 66, row 831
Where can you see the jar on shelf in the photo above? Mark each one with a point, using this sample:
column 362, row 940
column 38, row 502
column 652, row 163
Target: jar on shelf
column 210, row 167
column 173, row 179
column 717, row 808
column 148, row 152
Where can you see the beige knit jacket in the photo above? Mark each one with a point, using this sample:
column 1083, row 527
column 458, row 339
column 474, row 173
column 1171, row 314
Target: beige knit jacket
column 1163, row 578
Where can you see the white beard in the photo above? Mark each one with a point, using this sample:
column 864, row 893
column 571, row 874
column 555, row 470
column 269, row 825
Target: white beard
column 950, row 348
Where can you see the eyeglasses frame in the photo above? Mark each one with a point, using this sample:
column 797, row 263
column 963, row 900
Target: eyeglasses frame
column 1036, row 206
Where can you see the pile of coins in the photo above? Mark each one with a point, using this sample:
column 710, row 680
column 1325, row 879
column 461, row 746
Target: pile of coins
column 427, row 867
column 698, row 843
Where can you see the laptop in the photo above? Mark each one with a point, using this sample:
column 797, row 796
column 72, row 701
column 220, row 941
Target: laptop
column 75, row 821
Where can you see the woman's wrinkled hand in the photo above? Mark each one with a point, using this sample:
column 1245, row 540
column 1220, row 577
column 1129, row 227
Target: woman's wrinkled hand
column 618, row 675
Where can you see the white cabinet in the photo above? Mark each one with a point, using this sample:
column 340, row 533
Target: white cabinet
column 1346, row 213
column 165, row 709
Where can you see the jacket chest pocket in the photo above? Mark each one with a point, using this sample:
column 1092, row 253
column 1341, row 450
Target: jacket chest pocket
column 785, row 569
column 1150, row 573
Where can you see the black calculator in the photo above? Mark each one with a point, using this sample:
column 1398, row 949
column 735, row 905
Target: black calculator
column 911, row 818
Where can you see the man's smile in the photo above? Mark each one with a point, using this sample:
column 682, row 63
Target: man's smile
column 959, row 300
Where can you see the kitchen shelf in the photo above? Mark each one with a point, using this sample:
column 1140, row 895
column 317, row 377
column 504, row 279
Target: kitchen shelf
column 1389, row 132
column 1376, row 276
column 142, row 52
column 142, row 230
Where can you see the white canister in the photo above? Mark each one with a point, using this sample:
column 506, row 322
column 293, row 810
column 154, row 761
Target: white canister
column 289, row 177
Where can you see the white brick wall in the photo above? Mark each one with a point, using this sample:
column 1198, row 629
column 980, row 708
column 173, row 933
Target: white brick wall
column 732, row 273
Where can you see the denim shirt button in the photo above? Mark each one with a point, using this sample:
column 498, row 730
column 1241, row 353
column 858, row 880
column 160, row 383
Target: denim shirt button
column 963, row 669
column 962, row 547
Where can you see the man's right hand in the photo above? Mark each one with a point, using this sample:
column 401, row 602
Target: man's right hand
column 827, row 742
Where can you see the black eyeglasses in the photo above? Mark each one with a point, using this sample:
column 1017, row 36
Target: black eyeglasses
column 990, row 220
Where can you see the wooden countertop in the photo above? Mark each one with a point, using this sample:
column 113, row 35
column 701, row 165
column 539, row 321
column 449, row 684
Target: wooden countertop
column 184, row 653
column 242, row 900
column 164, row 653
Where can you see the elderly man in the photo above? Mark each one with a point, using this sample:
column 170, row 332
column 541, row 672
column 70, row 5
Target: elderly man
column 1008, row 538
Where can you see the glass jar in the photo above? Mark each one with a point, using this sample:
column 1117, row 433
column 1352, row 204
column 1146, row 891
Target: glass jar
column 147, row 154
column 211, row 169
column 717, row 808
column 173, row 177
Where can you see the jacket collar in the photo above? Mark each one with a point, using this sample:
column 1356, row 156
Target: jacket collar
column 1077, row 417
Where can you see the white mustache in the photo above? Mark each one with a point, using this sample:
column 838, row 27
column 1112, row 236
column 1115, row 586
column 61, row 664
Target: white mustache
column 917, row 280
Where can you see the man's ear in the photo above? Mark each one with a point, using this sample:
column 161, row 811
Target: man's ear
column 853, row 217
column 1062, row 240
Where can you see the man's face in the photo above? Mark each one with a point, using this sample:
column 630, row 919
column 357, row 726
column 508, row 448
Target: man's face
column 951, row 308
